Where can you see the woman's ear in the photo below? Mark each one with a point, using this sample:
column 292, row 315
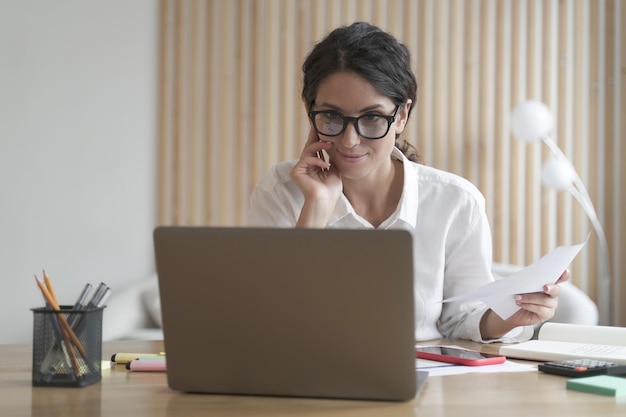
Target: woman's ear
column 403, row 116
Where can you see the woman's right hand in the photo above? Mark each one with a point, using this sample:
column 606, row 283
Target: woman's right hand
column 318, row 180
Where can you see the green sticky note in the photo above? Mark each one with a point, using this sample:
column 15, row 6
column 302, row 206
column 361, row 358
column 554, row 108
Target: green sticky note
column 601, row 384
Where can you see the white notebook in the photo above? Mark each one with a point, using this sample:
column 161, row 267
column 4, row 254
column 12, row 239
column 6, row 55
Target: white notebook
column 558, row 341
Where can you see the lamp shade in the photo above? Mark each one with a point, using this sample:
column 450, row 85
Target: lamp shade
column 531, row 120
column 557, row 174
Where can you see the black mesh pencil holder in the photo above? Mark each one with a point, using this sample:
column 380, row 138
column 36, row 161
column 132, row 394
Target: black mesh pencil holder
column 67, row 347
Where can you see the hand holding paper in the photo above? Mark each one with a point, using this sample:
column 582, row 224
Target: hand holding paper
column 499, row 295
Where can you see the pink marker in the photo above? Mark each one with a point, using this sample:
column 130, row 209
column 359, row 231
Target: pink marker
column 158, row 365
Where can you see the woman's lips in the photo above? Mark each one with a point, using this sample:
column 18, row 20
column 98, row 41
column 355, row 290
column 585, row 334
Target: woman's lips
column 352, row 158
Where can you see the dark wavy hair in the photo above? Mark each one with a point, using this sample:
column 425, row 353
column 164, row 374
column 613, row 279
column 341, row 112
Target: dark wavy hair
column 373, row 54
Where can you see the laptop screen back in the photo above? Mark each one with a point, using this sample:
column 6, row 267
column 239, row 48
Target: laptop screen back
column 290, row 312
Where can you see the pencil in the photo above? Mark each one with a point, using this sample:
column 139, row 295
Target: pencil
column 46, row 279
column 62, row 320
column 65, row 329
column 70, row 351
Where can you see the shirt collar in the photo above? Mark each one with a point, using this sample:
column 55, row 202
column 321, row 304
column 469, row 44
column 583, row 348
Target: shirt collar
column 407, row 207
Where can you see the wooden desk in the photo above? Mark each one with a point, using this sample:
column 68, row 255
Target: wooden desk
column 123, row 393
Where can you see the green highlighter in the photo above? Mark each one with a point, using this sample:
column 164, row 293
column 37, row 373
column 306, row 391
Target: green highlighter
column 601, row 384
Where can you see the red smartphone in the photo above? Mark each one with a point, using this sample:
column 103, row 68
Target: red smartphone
column 458, row 356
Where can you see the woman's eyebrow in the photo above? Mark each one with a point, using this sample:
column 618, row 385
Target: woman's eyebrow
column 378, row 107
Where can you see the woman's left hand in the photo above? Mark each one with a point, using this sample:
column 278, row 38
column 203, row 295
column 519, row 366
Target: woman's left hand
column 537, row 307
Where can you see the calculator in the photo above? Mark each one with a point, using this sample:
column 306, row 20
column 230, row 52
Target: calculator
column 575, row 368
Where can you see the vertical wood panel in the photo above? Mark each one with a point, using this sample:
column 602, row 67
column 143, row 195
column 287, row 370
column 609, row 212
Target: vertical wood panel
column 244, row 122
column 618, row 123
column 471, row 84
column 423, row 110
column 486, row 97
column 580, row 155
column 533, row 249
column 500, row 216
column 549, row 96
column 454, row 113
column 230, row 108
column 213, row 134
column 179, row 142
column 516, row 162
column 440, row 82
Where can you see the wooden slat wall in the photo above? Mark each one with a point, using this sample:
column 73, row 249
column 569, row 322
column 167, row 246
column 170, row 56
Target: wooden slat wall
column 230, row 107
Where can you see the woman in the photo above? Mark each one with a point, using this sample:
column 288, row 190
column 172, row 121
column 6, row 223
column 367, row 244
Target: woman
column 359, row 91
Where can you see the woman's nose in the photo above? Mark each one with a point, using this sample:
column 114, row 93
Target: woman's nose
column 350, row 136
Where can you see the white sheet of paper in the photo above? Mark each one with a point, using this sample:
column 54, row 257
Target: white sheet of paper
column 499, row 295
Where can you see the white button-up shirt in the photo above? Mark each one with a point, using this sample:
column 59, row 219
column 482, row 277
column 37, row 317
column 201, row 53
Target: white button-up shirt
column 451, row 240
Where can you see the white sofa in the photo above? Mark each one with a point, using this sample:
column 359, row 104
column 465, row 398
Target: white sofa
column 133, row 311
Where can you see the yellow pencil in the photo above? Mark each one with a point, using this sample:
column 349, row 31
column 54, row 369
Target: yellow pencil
column 66, row 331
column 62, row 320
column 46, row 279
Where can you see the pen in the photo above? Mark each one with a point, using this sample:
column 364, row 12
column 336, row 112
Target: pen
column 148, row 358
column 97, row 296
column 124, row 357
column 147, row 365
column 80, row 302
column 104, row 298
column 79, row 305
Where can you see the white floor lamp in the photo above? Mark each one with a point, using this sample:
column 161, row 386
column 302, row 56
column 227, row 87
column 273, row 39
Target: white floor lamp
column 532, row 121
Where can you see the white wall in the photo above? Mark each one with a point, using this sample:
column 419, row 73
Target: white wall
column 78, row 91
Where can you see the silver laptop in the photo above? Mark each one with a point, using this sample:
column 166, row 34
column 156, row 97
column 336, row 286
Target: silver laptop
column 288, row 312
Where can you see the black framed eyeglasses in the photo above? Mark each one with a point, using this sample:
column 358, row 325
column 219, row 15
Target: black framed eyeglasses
column 369, row 126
